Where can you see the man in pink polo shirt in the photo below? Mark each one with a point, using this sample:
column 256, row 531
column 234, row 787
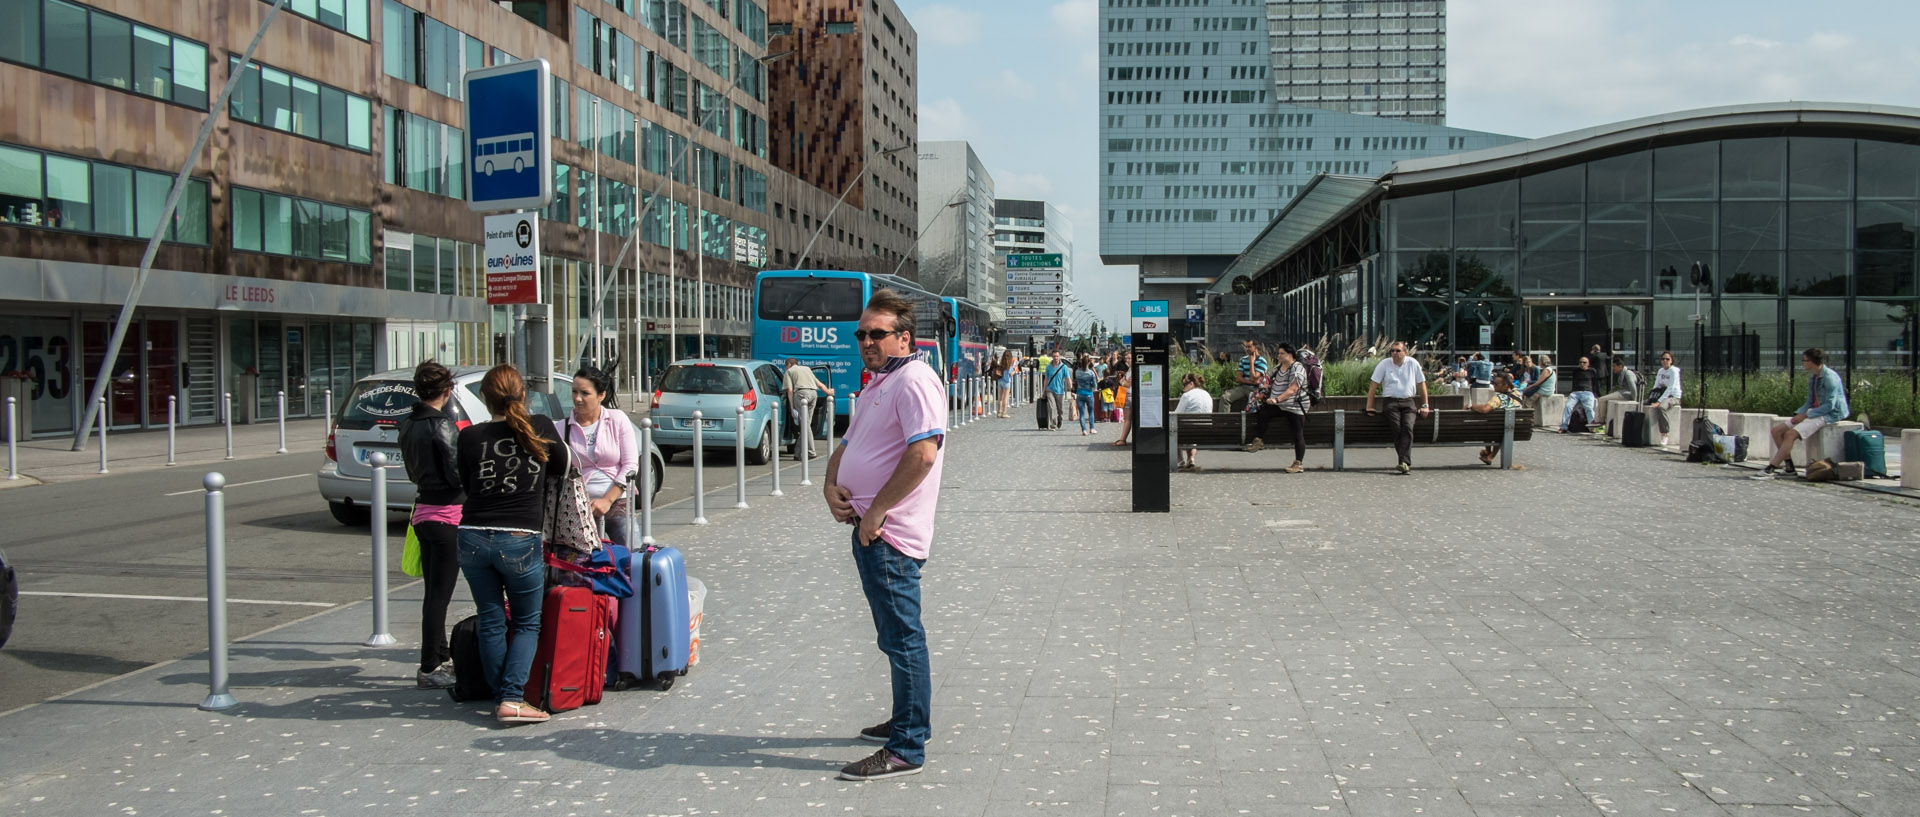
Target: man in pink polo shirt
column 884, row 479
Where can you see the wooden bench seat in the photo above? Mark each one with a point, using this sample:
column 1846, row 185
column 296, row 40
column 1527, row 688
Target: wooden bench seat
column 1341, row 429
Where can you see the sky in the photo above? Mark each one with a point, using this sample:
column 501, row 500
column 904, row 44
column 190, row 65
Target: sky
column 1019, row 80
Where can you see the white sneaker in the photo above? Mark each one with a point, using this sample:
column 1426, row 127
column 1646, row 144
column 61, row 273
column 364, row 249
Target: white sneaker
column 1663, row 442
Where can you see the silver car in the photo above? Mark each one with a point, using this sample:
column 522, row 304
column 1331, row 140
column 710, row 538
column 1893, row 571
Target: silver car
column 369, row 421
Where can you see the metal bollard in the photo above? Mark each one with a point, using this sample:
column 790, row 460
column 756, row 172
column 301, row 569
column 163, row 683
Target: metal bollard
column 380, row 637
column 103, row 435
column 740, row 458
column 13, row 439
column 646, row 478
column 173, row 414
column 283, row 422
column 227, row 417
column 218, row 697
column 776, row 454
column 806, row 441
column 699, row 472
column 626, row 496
column 329, row 399
column 833, row 411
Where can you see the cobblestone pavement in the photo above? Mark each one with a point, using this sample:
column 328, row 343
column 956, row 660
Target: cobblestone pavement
column 1604, row 632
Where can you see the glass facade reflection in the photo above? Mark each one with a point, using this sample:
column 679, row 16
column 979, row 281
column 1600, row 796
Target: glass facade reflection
column 1710, row 244
column 1771, row 220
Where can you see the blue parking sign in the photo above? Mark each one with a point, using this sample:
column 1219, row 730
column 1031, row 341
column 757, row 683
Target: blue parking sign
column 509, row 136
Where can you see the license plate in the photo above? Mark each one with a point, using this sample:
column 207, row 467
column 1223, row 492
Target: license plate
column 393, row 455
column 704, row 423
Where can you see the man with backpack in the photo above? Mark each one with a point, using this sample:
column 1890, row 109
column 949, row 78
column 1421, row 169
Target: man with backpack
column 1056, row 391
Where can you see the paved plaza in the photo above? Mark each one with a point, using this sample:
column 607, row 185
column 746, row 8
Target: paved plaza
column 1605, row 632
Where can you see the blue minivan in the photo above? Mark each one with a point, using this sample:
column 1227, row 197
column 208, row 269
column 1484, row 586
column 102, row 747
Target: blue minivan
column 717, row 388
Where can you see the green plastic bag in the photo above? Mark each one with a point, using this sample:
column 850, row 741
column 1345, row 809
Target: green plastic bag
column 410, row 555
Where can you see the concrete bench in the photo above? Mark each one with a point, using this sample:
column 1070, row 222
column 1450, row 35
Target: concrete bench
column 1341, row 429
column 1909, row 450
column 1758, row 429
column 1548, row 409
column 1831, row 441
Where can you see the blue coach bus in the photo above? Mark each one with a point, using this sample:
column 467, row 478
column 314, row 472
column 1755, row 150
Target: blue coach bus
column 810, row 315
column 969, row 344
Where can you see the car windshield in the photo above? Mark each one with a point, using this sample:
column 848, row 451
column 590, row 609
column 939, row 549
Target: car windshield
column 704, row 378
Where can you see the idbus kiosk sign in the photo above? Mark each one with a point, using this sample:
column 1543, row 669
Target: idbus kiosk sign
column 512, row 262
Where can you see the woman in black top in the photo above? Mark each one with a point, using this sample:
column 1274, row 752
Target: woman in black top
column 504, row 465
column 427, row 439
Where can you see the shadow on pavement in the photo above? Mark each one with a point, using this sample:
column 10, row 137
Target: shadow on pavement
column 90, row 663
column 653, row 750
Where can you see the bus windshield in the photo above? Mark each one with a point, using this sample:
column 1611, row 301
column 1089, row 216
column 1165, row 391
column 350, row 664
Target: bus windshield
column 810, row 299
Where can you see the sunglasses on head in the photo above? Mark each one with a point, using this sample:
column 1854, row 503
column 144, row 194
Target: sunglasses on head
column 875, row 335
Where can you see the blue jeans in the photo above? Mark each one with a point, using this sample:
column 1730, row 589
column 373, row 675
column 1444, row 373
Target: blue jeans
column 891, row 580
column 1087, row 412
column 1579, row 398
column 505, row 569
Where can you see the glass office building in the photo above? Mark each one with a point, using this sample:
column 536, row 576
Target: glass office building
column 1728, row 235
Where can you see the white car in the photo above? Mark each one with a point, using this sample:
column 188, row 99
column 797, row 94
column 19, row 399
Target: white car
column 369, row 421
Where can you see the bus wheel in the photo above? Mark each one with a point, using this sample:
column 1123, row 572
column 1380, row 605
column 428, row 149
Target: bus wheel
column 489, row 168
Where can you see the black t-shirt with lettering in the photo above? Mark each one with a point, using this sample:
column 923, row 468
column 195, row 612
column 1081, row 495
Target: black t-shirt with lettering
column 504, row 485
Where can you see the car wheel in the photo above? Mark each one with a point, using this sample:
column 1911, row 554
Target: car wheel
column 764, row 451
column 659, row 476
column 9, row 600
column 351, row 515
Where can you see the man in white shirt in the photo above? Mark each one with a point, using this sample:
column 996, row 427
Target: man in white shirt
column 803, row 390
column 1400, row 377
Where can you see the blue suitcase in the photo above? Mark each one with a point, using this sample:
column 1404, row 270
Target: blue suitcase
column 653, row 629
column 1868, row 448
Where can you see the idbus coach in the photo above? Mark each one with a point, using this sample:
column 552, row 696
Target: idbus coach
column 810, row 315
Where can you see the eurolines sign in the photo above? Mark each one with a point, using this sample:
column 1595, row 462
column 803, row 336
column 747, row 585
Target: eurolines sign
column 513, row 258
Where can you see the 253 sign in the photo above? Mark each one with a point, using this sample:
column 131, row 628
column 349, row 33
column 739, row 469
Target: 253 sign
column 47, row 360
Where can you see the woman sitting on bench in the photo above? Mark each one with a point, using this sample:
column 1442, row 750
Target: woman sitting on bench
column 1503, row 400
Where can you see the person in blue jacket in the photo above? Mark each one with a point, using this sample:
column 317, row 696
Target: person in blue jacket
column 1057, row 375
column 1826, row 403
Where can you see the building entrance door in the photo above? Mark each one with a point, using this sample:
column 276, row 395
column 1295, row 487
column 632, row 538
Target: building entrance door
column 162, row 349
column 297, row 369
column 1568, row 330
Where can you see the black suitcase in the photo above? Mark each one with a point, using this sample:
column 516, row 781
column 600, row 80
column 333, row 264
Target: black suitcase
column 469, row 678
column 1635, row 432
column 1040, row 410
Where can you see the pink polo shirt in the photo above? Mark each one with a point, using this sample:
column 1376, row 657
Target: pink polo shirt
column 896, row 409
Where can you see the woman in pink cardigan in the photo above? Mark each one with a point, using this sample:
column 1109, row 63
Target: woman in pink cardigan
column 605, row 446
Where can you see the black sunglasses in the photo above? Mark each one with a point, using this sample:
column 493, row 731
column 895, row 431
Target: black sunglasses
column 875, row 335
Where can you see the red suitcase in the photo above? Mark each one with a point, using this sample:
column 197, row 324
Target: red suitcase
column 570, row 664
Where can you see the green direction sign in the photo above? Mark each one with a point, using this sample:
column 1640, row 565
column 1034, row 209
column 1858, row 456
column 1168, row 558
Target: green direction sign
column 1038, row 260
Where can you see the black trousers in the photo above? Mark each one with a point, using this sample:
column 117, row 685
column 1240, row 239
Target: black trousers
column 1294, row 425
column 440, row 567
column 1401, row 417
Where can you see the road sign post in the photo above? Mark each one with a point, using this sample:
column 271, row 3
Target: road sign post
column 510, row 136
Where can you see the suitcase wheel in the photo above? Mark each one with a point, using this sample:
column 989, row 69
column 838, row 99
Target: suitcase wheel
column 664, row 681
column 624, row 682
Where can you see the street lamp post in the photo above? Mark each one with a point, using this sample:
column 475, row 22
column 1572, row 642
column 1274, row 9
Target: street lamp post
column 822, row 226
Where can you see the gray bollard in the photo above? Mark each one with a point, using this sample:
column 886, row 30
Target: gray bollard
column 103, row 435
column 228, row 419
column 833, row 412
column 13, row 439
column 776, row 453
column 380, row 637
column 626, row 496
column 740, row 458
column 173, row 414
column 283, row 422
column 646, row 479
column 329, row 399
column 805, row 444
column 218, row 697
column 699, row 472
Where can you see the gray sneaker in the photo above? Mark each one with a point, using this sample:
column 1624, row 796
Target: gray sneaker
column 878, row 734
column 878, row 766
column 440, row 678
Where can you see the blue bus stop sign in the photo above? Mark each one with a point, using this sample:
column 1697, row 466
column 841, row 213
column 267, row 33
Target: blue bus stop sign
column 509, row 136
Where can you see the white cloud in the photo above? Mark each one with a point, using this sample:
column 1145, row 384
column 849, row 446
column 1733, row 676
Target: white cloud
column 1008, row 84
column 1010, row 185
column 943, row 119
column 1532, row 69
column 1079, row 22
column 947, row 25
